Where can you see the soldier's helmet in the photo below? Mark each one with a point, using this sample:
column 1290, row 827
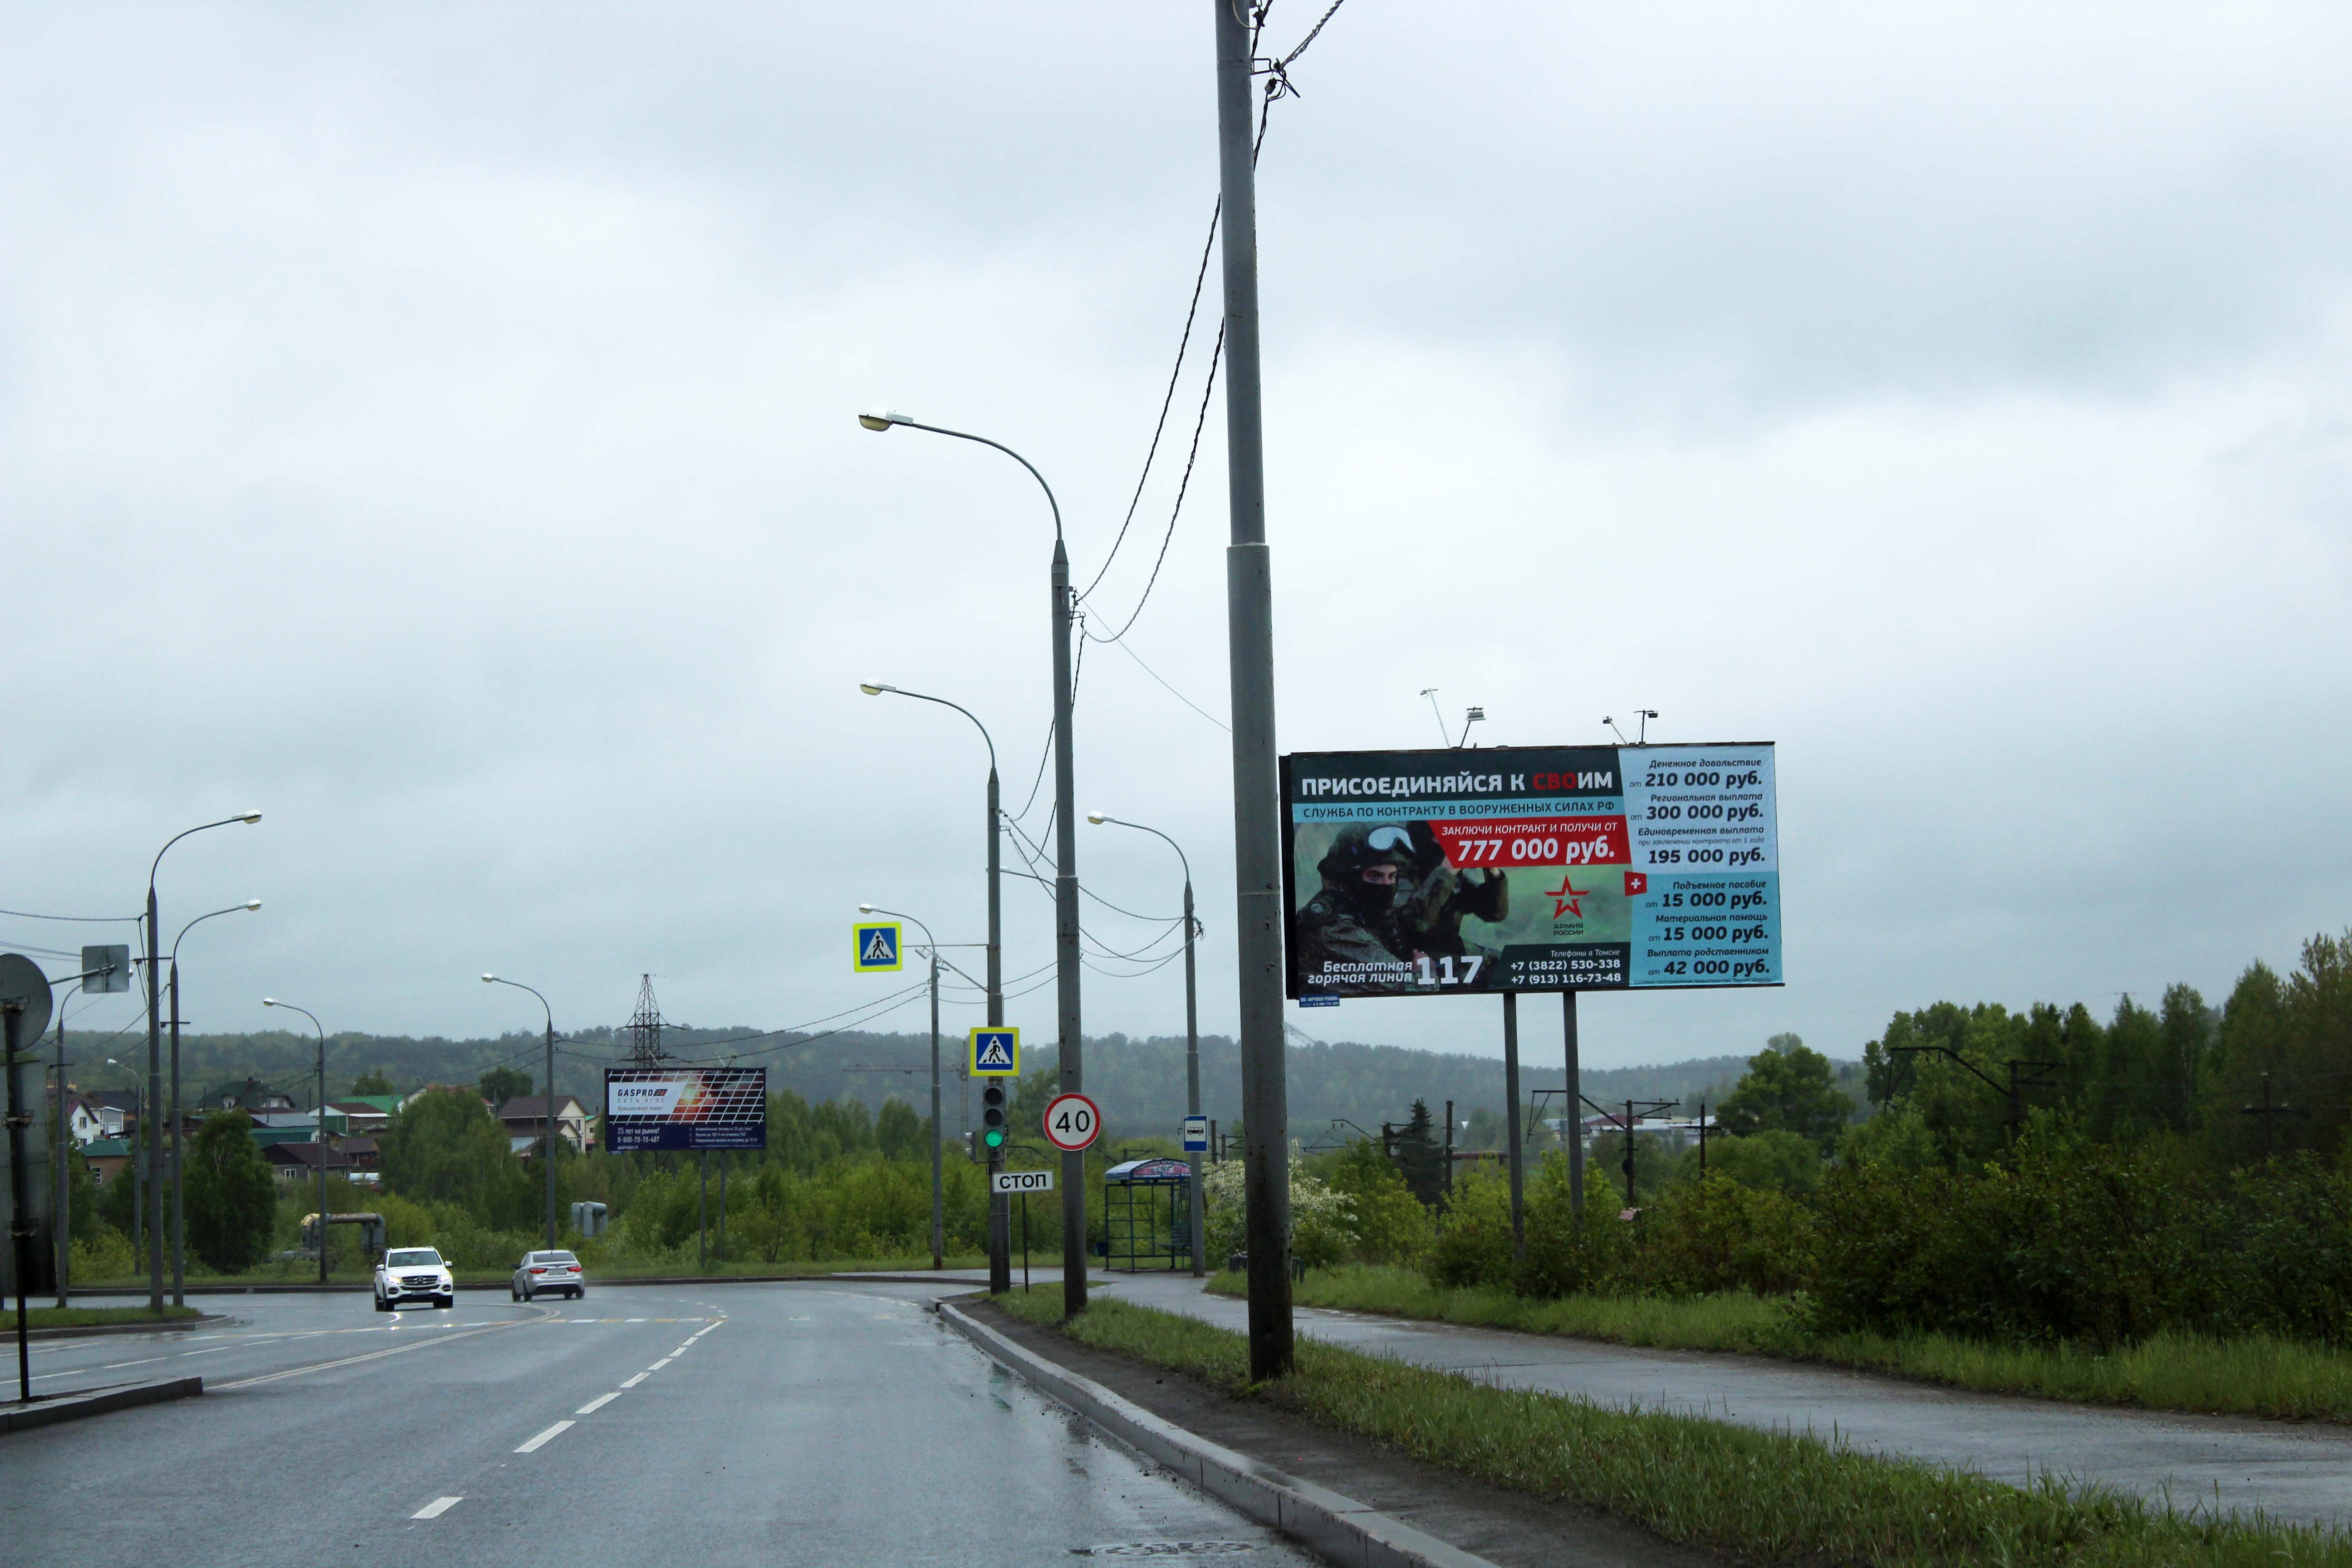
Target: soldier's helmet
column 1356, row 847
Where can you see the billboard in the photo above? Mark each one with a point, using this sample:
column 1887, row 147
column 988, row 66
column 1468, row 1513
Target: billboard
column 685, row 1107
column 1434, row 873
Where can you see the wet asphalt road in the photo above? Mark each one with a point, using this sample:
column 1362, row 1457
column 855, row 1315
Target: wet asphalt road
column 795, row 1423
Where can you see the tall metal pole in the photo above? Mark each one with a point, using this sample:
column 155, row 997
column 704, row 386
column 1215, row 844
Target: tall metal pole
column 1511, row 1123
column 324, row 1228
column 1066, row 957
column 12, row 1018
column 1197, row 1202
column 65, row 1169
column 1257, row 793
column 1066, row 886
column 547, row 1145
column 150, row 1129
column 1575, row 1108
column 939, row 1211
column 179, row 1233
column 1000, row 1206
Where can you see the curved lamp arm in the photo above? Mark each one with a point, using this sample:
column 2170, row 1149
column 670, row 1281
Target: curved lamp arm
column 884, row 420
column 233, row 909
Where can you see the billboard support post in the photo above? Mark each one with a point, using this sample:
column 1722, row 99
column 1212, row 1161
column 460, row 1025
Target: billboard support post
column 1574, row 1126
column 1518, row 1144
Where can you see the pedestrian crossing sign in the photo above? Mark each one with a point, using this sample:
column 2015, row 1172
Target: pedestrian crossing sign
column 878, row 950
column 995, row 1053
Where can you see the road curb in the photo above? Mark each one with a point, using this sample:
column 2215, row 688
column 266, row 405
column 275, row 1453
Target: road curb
column 97, row 1402
column 168, row 1326
column 1338, row 1527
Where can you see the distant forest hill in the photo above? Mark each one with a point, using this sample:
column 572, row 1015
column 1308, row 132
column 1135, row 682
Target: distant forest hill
column 1140, row 1083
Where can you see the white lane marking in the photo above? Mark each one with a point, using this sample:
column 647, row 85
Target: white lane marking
column 547, row 1437
column 633, row 1319
column 373, row 1356
column 437, row 1508
column 632, row 1383
column 149, row 1361
column 661, row 1363
column 215, row 1351
column 597, row 1403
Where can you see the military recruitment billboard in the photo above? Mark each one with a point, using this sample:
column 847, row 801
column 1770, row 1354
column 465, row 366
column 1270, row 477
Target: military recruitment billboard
column 1432, row 873
column 685, row 1107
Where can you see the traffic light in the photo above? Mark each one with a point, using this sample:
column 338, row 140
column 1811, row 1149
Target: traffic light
column 992, row 1114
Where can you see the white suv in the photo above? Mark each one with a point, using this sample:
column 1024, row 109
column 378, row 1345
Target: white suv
column 413, row 1274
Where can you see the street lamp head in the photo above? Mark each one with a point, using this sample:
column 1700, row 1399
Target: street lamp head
column 248, row 817
column 874, row 688
column 252, row 903
column 490, row 979
column 269, row 1001
column 866, row 908
column 882, row 419
column 1096, row 818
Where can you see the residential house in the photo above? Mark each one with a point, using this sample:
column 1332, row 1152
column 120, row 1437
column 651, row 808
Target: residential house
column 525, row 1118
column 85, row 1123
column 250, row 1096
column 116, row 1110
column 362, row 1113
column 107, row 1158
column 295, row 1163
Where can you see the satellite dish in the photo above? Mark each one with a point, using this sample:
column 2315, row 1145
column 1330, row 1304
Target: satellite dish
column 21, row 981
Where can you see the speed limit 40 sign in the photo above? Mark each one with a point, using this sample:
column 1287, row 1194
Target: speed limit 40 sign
column 1072, row 1123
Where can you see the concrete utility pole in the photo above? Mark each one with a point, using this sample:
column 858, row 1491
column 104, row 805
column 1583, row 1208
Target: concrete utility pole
column 1257, row 791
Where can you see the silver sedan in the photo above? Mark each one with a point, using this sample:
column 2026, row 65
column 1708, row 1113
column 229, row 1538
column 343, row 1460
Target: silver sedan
column 547, row 1272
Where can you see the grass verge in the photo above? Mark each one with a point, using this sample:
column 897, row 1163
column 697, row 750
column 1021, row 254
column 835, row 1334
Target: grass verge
column 94, row 1317
column 1757, row 1496
column 2259, row 1375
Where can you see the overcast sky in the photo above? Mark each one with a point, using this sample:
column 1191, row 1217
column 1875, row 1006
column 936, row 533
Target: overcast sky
column 432, row 425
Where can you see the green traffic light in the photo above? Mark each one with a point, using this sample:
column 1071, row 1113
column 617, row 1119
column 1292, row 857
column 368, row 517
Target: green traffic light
column 993, row 1137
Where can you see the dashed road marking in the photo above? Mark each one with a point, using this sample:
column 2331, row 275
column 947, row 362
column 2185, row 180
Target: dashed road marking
column 150, row 1360
column 661, row 1363
column 545, row 1437
column 632, row 1383
column 437, row 1508
column 597, row 1403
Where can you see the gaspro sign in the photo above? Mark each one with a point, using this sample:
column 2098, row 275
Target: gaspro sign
column 685, row 1107
column 1530, row 868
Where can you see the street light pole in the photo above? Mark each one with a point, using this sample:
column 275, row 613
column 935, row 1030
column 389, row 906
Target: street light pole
column 1000, row 1207
column 153, row 1137
column 1066, row 957
column 547, row 1140
column 1257, row 792
column 939, row 1208
column 179, row 1211
column 274, row 1002
column 1196, row 1203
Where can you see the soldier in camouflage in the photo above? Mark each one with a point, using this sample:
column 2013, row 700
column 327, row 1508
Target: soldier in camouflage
column 1434, row 898
column 1348, row 931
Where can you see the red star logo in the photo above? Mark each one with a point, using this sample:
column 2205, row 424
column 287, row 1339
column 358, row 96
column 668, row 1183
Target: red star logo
column 1566, row 897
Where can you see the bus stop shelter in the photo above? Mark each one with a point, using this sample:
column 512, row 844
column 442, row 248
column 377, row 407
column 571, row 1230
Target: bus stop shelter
column 1147, row 1209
